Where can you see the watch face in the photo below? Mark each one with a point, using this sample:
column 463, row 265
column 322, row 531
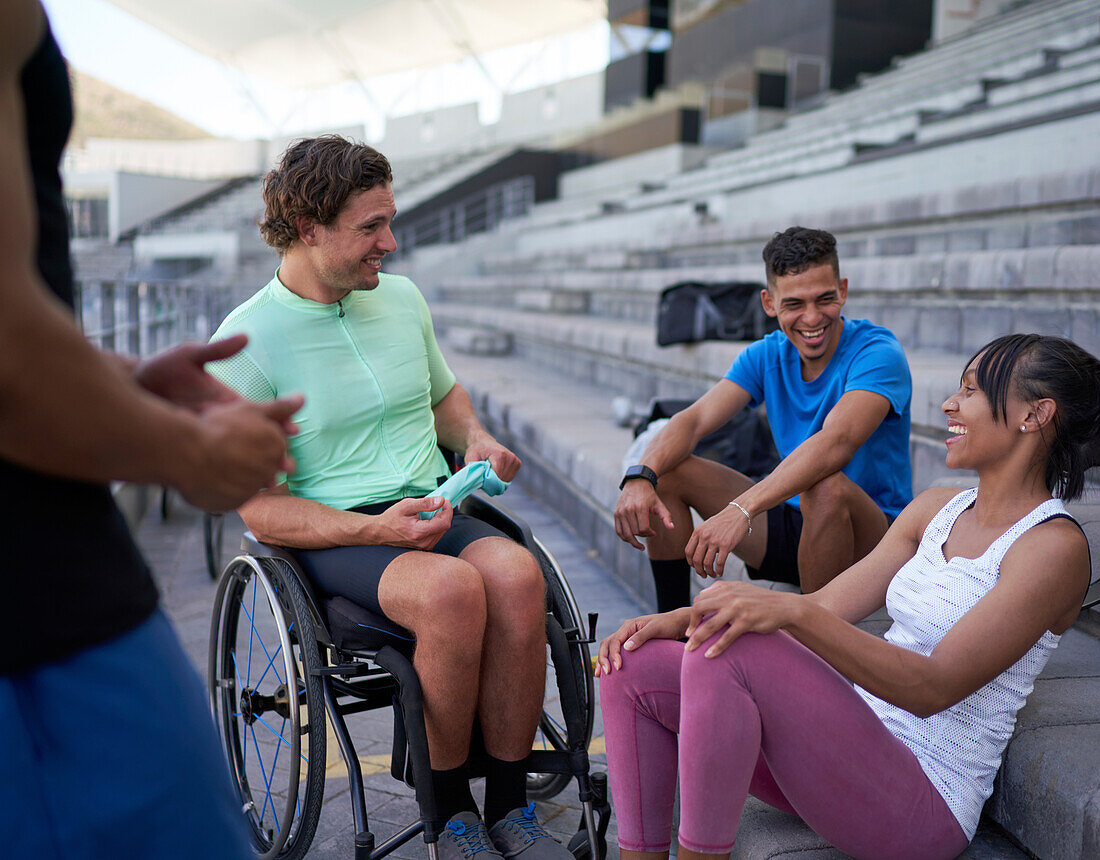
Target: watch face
column 639, row 472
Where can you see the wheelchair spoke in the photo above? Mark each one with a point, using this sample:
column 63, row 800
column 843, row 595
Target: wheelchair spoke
column 279, row 736
column 274, row 764
column 236, row 669
column 254, row 633
column 270, row 666
column 554, row 723
column 267, row 782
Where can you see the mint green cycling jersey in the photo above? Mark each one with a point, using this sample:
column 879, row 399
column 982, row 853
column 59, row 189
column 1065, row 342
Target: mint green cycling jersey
column 371, row 371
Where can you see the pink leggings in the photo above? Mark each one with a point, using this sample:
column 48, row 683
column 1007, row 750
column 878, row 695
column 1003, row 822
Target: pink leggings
column 770, row 717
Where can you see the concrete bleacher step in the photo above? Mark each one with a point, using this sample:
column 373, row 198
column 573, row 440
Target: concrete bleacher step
column 1047, row 796
column 623, row 356
column 623, row 359
column 768, row 834
column 954, row 301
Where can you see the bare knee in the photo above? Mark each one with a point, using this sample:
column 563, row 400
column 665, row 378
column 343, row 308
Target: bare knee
column 514, row 585
column 450, row 605
column 675, row 482
column 828, row 498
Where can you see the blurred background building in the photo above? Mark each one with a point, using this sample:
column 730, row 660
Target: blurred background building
column 951, row 145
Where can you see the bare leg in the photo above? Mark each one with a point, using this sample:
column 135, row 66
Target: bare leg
column 513, row 659
column 841, row 524
column 442, row 601
column 650, row 855
column 707, row 487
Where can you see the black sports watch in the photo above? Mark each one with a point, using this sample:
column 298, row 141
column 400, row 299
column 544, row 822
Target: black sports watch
column 639, row 472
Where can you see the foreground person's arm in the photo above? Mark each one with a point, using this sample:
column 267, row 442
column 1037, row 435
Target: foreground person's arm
column 66, row 409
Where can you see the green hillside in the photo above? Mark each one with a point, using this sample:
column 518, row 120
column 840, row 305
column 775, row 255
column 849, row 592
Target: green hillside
column 104, row 111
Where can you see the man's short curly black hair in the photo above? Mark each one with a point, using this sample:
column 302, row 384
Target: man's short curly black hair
column 797, row 249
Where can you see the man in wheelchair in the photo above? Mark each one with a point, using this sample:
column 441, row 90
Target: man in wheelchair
column 379, row 400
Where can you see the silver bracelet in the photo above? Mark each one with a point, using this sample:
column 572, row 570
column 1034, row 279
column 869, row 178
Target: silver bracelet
column 742, row 510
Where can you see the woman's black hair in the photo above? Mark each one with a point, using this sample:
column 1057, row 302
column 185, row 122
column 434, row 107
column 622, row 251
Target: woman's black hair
column 1039, row 366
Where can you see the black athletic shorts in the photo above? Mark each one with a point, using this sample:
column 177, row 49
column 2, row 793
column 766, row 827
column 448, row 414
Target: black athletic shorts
column 781, row 554
column 354, row 571
column 780, row 562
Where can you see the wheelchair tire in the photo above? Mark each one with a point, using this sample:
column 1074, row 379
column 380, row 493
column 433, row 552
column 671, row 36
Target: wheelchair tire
column 552, row 733
column 263, row 645
column 213, row 531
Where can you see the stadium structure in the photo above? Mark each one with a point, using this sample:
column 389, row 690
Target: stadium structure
column 952, row 146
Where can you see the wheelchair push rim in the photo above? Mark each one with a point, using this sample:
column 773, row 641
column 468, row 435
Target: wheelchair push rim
column 266, row 697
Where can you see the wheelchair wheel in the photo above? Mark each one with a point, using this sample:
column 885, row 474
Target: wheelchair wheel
column 268, row 701
column 213, row 531
column 551, row 733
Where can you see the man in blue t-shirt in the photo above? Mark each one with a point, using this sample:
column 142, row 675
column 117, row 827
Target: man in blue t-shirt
column 838, row 394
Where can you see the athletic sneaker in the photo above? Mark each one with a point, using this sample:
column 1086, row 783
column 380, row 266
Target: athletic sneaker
column 519, row 834
column 464, row 837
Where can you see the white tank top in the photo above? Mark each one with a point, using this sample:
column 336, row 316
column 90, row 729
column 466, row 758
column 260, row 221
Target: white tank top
column 960, row 748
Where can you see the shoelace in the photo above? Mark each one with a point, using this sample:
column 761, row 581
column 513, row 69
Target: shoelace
column 528, row 825
column 470, row 839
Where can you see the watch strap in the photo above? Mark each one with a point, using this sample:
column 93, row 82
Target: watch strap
column 639, row 471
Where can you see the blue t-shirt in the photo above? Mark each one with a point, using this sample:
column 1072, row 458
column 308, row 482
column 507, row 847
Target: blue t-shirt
column 868, row 358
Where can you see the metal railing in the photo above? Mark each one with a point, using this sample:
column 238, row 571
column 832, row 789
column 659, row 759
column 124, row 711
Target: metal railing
column 477, row 213
column 141, row 317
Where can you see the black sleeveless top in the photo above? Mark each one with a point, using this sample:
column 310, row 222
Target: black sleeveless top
column 72, row 575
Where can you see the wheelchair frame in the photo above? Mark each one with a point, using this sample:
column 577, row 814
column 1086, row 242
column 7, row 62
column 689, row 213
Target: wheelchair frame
column 323, row 674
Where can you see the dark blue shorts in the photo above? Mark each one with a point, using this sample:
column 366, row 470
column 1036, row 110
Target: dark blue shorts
column 354, row 571
column 112, row 753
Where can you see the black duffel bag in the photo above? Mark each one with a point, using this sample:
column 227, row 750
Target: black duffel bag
column 692, row 311
column 743, row 443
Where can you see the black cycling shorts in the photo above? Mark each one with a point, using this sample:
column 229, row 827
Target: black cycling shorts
column 354, row 571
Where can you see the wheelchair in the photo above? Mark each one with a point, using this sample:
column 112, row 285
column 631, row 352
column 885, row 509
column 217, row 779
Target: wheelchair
column 282, row 663
column 213, row 538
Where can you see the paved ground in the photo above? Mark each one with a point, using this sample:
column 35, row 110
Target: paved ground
column 174, row 547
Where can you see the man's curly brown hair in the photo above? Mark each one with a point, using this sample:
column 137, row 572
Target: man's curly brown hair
column 314, row 179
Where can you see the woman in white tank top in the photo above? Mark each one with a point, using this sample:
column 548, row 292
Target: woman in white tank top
column 979, row 585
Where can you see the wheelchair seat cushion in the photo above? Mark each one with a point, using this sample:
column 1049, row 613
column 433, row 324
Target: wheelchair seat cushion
column 354, row 628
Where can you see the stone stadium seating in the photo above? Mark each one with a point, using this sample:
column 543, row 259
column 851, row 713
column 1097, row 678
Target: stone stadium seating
column 964, row 190
column 234, row 206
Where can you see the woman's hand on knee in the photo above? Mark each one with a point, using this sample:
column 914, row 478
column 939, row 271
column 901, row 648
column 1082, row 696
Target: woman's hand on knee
column 739, row 608
column 634, row 632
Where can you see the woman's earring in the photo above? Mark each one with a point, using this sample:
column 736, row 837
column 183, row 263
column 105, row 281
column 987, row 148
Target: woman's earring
column 1023, row 428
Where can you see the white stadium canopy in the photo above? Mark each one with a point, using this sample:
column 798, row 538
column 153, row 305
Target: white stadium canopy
column 315, row 43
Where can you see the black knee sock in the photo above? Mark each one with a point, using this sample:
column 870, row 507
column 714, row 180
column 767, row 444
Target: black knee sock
column 452, row 792
column 673, row 582
column 505, row 788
